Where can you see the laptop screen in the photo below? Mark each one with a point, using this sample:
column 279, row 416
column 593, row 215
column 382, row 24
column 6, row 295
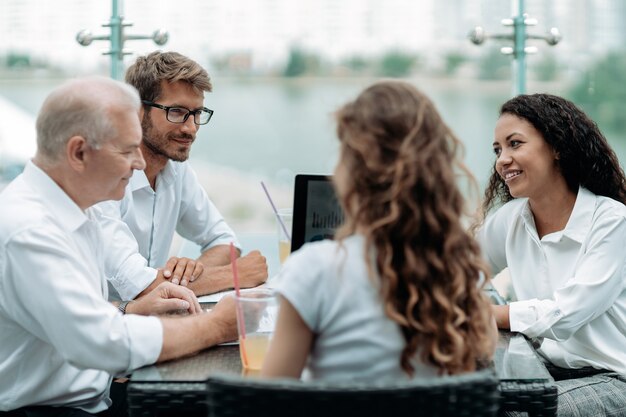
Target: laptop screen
column 316, row 211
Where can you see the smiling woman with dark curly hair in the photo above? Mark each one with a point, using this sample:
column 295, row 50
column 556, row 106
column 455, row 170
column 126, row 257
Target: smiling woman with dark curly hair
column 561, row 232
column 399, row 294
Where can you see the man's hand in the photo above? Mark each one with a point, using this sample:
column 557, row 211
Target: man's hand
column 185, row 335
column 252, row 269
column 182, row 270
column 165, row 298
column 224, row 317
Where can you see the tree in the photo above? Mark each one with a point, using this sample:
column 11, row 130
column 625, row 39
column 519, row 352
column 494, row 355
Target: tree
column 357, row 64
column 453, row 60
column 300, row 63
column 397, row 64
column 601, row 91
column 17, row 60
column 494, row 66
column 547, row 68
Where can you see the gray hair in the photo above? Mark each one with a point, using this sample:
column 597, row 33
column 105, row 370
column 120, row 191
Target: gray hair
column 82, row 107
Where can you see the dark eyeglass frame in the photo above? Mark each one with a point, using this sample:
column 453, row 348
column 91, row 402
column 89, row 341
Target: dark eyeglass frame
column 196, row 113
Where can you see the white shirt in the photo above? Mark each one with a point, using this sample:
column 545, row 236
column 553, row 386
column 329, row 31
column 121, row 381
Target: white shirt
column 330, row 288
column 151, row 217
column 61, row 339
column 571, row 283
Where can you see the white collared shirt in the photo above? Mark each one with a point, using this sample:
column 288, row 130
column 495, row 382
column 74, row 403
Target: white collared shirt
column 571, row 284
column 61, row 339
column 151, row 217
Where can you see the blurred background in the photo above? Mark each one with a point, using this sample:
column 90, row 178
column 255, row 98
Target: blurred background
column 281, row 67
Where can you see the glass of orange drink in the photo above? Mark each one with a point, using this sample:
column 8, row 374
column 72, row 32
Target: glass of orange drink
column 257, row 311
column 284, row 241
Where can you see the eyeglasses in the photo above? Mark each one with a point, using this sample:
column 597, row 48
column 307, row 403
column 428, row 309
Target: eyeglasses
column 180, row 114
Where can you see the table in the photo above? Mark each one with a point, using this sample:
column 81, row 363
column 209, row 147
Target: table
column 179, row 386
column 525, row 383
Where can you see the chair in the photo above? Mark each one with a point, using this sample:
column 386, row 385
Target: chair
column 473, row 394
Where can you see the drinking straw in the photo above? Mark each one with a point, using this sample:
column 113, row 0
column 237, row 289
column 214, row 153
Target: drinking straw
column 276, row 212
column 240, row 317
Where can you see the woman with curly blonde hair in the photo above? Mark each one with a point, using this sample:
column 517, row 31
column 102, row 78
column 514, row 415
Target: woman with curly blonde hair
column 398, row 294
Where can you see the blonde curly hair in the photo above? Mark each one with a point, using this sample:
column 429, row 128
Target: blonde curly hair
column 396, row 182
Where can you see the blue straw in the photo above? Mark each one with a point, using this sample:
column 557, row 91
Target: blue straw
column 276, row 212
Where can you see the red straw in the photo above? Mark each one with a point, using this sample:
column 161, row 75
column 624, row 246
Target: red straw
column 242, row 328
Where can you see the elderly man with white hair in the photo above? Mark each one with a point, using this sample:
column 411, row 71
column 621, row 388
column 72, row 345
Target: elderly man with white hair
column 62, row 341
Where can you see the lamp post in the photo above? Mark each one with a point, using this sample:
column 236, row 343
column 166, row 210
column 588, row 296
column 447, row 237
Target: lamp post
column 519, row 36
column 117, row 39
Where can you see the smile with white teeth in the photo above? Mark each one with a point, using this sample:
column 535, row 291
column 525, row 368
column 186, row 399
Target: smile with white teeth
column 511, row 174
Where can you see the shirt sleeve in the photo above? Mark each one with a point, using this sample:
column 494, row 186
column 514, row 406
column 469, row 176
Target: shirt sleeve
column 200, row 221
column 59, row 300
column 300, row 283
column 492, row 239
column 126, row 269
column 598, row 280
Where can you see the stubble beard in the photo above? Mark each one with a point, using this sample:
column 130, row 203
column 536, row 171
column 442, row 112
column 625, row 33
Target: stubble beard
column 157, row 143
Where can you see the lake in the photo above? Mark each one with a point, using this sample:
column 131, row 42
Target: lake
column 271, row 129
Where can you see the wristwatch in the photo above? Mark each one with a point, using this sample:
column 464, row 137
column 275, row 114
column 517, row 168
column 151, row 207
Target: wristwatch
column 122, row 306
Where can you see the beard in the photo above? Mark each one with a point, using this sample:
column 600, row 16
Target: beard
column 161, row 144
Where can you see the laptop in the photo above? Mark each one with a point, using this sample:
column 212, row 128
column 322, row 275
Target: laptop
column 316, row 211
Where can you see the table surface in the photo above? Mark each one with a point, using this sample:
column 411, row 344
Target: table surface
column 516, row 364
column 514, row 360
column 525, row 384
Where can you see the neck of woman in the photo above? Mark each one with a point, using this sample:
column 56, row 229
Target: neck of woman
column 552, row 211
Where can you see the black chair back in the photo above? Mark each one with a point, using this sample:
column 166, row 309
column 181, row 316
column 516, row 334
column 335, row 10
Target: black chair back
column 469, row 395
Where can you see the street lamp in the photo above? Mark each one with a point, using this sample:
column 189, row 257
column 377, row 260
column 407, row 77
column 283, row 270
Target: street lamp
column 117, row 38
column 519, row 49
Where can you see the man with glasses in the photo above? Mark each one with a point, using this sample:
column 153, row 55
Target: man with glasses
column 167, row 196
column 62, row 342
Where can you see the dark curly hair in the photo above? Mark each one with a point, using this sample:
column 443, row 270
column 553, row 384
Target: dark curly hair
column 585, row 157
column 400, row 192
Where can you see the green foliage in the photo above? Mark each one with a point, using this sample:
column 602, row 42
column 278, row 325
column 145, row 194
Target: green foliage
column 301, row 63
column 18, row 60
column 397, row 64
column 494, row 66
column 601, row 91
column 453, row 60
column 547, row 68
column 357, row 64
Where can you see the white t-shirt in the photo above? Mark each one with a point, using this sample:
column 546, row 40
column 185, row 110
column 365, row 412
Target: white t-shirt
column 61, row 339
column 571, row 284
column 150, row 218
column 329, row 286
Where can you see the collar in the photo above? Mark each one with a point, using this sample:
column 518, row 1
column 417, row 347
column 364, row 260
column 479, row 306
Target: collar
column 63, row 208
column 139, row 179
column 579, row 221
column 582, row 216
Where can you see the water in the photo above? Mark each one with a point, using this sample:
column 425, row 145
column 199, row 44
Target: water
column 271, row 129
column 274, row 128
column 277, row 128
